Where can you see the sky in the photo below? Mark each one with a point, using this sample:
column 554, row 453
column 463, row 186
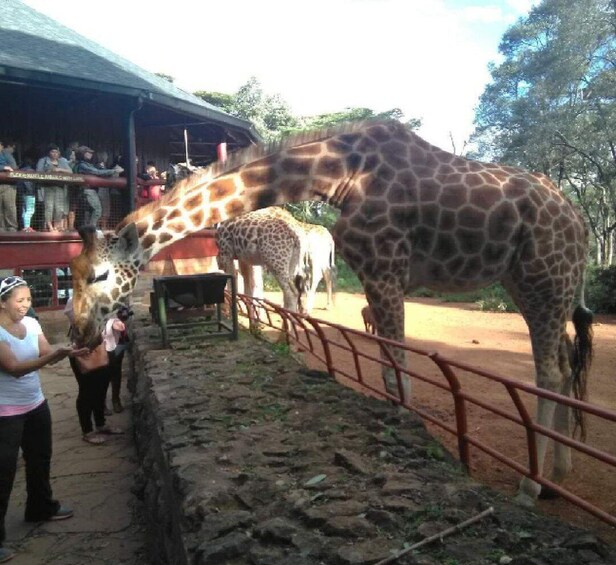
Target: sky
column 427, row 57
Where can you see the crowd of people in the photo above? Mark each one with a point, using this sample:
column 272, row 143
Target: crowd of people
column 30, row 206
column 25, row 418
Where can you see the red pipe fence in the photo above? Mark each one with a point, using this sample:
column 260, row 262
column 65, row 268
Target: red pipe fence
column 310, row 335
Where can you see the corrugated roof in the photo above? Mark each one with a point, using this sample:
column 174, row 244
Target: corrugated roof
column 31, row 41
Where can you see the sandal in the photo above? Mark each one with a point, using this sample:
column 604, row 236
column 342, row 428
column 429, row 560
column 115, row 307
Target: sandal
column 6, row 554
column 107, row 430
column 94, row 438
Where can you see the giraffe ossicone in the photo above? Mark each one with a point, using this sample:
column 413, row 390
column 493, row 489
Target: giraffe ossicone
column 411, row 215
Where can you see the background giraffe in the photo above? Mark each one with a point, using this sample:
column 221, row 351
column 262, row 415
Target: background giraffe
column 322, row 259
column 297, row 254
column 271, row 238
column 411, row 215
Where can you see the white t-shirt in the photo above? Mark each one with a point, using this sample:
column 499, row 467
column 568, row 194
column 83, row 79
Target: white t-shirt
column 25, row 390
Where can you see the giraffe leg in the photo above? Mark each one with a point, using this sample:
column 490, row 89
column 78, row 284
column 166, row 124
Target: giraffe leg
column 290, row 296
column 562, row 417
column 546, row 350
column 312, row 292
column 529, row 490
column 257, row 281
column 387, row 304
column 327, row 276
column 250, row 289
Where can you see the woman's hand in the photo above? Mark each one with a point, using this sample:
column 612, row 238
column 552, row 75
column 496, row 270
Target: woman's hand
column 60, row 354
column 78, row 351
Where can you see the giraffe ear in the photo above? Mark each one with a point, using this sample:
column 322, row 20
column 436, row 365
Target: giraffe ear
column 128, row 239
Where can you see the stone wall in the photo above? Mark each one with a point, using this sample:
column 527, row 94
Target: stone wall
column 248, row 458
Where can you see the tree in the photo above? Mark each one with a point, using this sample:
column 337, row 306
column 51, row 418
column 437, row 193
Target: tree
column 218, row 99
column 165, row 76
column 269, row 113
column 352, row 115
column 551, row 106
column 273, row 119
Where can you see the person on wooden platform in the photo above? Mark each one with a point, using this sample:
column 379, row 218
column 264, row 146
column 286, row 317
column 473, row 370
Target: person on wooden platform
column 56, row 196
column 8, row 192
column 92, row 206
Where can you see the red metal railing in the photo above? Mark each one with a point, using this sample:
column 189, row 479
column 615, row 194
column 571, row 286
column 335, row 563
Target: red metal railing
column 70, row 178
column 309, row 334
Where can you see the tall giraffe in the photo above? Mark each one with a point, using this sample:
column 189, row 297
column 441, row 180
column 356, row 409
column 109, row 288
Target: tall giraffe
column 411, row 215
column 270, row 237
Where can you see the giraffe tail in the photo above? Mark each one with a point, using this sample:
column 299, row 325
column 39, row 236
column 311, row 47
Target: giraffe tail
column 581, row 361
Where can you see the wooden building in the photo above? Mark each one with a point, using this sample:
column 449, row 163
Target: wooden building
column 56, row 86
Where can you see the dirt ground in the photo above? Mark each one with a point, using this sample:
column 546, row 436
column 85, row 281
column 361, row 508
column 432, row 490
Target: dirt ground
column 498, row 343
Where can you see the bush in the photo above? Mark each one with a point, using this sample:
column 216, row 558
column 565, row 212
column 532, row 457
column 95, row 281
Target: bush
column 601, row 289
column 493, row 298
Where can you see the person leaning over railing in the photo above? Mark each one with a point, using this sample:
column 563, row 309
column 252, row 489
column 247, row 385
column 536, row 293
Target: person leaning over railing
column 92, row 209
column 8, row 193
column 55, row 202
column 72, row 196
column 26, row 190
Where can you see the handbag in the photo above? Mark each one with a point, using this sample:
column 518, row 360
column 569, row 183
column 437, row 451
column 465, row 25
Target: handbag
column 96, row 359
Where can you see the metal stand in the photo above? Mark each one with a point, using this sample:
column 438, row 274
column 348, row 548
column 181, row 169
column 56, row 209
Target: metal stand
column 192, row 301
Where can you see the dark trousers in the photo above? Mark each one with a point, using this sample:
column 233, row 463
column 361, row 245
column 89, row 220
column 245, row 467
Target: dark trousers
column 115, row 363
column 93, row 387
column 31, row 432
column 93, row 209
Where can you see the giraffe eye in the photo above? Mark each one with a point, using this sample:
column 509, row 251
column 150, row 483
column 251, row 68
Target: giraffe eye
column 102, row 277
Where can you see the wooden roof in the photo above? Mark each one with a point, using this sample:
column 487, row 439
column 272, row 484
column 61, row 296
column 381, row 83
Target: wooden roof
column 38, row 51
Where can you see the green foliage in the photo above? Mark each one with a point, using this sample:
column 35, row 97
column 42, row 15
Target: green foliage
column 218, row 99
column 435, row 451
column 272, row 115
column 314, row 212
column 346, row 280
column 601, row 290
column 165, row 76
column 351, row 115
column 493, row 298
column 269, row 113
column 281, row 349
column 551, row 107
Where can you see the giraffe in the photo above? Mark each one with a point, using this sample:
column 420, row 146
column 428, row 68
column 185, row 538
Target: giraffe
column 411, row 215
column 269, row 237
column 321, row 256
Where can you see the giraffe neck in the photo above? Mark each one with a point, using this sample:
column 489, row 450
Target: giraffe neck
column 163, row 222
column 200, row 202
column 327, row 166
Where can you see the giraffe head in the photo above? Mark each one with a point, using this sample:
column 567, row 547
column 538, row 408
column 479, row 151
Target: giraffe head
column 104, row 275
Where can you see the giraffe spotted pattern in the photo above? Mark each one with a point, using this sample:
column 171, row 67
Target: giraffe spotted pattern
column 411, row 215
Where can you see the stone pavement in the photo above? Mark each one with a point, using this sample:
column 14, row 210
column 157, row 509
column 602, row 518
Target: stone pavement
column 96, row 481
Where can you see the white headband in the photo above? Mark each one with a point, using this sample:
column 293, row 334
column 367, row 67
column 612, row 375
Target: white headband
column 9, row 283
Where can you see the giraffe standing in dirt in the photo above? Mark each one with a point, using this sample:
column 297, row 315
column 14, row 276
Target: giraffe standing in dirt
column 272, row 238
column 411, row 215
column 321, row 257
column 297, row 254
